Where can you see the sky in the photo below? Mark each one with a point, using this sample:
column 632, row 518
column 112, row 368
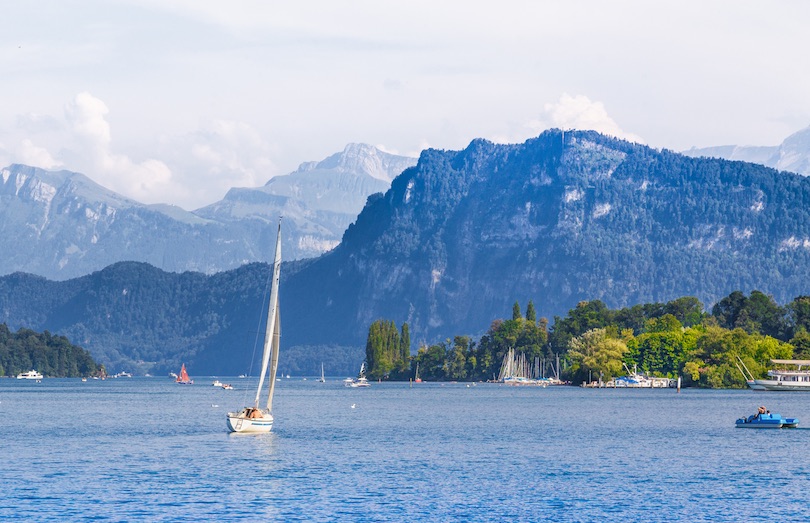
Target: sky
column 178, row 101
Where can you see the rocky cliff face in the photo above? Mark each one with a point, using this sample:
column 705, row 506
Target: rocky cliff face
column 61, row 224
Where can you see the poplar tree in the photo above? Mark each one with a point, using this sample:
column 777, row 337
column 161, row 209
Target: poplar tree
column 516, row 312
column 531, row 314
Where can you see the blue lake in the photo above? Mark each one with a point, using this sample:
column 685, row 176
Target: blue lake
column 147, row 449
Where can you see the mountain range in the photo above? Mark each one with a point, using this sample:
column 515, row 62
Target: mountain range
column 793, row 154
column 454, row 242
column 61, row 224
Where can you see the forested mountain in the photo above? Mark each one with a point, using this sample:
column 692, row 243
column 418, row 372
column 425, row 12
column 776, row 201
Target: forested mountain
column 452, row 244
column 558, row 219
column 61, row 224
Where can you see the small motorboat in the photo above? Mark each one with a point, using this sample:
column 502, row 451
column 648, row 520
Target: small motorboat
column 766, row 421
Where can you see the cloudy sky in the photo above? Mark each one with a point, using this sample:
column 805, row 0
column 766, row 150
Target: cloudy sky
column 177, row 101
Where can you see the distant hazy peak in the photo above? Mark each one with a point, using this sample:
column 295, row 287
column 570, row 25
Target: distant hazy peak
column 362, row 158
column 793, row 154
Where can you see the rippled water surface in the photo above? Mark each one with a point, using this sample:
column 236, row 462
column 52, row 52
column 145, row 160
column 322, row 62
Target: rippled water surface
column 148, row 449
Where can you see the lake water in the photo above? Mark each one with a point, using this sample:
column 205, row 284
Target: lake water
column 147, row 449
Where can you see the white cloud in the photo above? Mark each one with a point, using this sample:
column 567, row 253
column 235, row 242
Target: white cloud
column 87, row 115
column 30, row 154
column 146, row 181
column 579, row 112
column 220, row 155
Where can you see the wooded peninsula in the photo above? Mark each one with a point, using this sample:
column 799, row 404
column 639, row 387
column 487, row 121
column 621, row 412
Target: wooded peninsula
column 672, row 339
column 52, row 356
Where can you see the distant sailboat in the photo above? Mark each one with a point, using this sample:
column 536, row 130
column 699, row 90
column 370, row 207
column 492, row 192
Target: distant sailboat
column 416, row 378
column 322, row 378
column 183, row 378
column 255, row 419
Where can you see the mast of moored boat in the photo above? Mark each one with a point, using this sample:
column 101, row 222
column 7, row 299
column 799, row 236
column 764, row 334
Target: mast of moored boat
column 271, row 333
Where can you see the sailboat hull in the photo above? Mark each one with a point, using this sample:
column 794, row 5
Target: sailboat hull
column 237, row 423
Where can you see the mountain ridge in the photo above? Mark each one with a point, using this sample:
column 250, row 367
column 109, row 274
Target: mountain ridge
column 61, row 224
column 454, row 242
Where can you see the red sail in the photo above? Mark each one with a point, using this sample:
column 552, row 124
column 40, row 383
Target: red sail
column 183, row 377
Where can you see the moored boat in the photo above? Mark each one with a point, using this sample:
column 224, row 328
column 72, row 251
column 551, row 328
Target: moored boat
column 788, row 375
column 361, row 380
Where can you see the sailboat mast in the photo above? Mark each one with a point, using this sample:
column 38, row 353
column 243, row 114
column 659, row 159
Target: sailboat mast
column 272, row 326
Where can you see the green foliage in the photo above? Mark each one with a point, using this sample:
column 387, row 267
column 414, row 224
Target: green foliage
column 387, row 352
column 716, row 350
column 596, row 353
column 531, row 314
column 52, row 356
column 755, row 313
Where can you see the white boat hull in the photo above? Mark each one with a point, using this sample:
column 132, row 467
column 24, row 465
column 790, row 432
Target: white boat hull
column 778, row 385
column 241, row 424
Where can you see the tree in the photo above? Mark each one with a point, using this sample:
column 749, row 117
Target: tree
column 586, row 316
column 799, row 313
column 384, row 350
column 516, row 312
column 531, row 314
column 595, row 352
column 455, row 367
column 405, row 340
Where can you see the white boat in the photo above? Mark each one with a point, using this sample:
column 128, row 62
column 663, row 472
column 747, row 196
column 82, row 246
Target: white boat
column 636, row 380
column 217, row 383
column 794, row 375
column 322, row 379
column 361, row 380
column 255, row 419
column 123, row 374
column 30, row 375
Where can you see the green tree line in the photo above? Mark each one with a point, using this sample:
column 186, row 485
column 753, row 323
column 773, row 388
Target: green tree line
column 52, row 356
column 677, row 338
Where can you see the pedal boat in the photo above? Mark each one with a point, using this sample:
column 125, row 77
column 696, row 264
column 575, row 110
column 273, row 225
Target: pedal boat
column 767, row 421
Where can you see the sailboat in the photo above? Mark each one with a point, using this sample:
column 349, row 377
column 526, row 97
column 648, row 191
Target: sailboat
column 255, row 419
column 322, row 379
column 183, row 378
column 416, row 378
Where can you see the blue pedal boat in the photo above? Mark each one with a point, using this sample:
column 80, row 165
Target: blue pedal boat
column 767, row 421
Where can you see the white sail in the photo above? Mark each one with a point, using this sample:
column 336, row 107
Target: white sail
column 270, row 345
column 274, row 360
